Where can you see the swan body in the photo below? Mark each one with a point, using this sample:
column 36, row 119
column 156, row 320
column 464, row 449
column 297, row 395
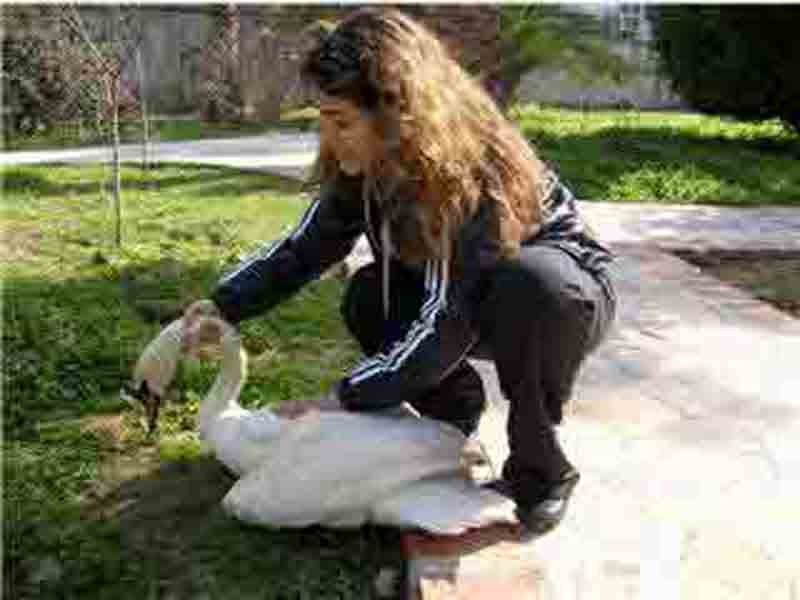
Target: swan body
column 333, row 468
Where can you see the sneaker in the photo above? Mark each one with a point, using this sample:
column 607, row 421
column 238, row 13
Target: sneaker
column 542, row 516
column 545, row 515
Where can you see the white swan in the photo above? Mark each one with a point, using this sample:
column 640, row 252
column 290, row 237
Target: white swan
column 333, row 468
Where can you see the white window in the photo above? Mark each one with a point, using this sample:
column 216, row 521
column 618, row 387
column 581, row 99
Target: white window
column 631, row 18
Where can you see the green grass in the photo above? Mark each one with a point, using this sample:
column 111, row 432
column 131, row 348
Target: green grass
column 93, row 508
column 667, row 157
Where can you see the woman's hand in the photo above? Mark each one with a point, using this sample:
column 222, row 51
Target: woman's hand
column 200, row 338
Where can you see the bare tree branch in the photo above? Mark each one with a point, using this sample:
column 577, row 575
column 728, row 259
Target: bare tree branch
column 75, row 22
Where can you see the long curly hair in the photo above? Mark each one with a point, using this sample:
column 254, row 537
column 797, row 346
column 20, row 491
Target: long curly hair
column 443, row 138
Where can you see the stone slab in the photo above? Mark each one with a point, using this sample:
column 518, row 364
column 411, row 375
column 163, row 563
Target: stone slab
column 481, row 564
column 685, row 426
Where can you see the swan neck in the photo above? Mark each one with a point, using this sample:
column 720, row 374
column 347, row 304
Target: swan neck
column 224, row 393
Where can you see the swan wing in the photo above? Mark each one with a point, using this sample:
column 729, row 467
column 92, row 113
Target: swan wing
column 445, row 505
column 332, row 468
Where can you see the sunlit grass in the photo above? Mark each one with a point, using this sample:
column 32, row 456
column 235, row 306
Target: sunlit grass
column 667, row 157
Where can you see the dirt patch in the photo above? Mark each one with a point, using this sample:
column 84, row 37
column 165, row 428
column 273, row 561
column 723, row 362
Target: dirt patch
column 19, row 243
column 111, row 427
column 773, row 277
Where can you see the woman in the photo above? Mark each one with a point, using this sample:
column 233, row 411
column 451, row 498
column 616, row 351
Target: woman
column 479, row 250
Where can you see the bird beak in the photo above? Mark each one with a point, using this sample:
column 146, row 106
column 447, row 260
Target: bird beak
column 152, row 408
column 145, row 400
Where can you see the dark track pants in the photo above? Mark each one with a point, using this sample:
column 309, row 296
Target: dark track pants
column 542, row 314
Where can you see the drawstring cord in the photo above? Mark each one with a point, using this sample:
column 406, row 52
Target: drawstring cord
column 445, row 257
column 385, row 235
column 386, row 244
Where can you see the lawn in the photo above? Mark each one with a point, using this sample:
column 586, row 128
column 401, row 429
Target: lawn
column 93, row 508
column 667, row 157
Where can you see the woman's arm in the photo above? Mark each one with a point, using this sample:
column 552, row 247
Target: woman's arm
column 325, row 235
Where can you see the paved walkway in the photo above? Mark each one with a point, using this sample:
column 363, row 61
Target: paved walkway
column 673, row 227
column 284, row 153
column 685, row 424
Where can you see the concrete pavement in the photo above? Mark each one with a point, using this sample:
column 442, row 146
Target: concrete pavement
column 283, row 153
column 685, row 426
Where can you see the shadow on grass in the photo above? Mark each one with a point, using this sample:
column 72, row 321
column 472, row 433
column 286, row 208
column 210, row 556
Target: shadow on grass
column 212, row 181
column 85, row 518
column 176, row 512
column 171, row 130
column 160, row 532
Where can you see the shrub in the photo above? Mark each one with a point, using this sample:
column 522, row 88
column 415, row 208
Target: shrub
column 734, row 60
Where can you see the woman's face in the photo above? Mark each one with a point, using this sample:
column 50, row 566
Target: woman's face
column 348, row 132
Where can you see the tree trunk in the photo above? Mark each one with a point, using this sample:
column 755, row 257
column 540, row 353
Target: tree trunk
column 116, row 175
column 114, row 80
column 145, row 118
column 510, row 76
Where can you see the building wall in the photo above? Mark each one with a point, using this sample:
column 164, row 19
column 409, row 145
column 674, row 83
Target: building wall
column 171, row 51
column 175, row 38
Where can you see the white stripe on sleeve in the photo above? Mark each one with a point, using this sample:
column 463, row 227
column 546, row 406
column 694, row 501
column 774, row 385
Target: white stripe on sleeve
column 267, row 250
column 421, row 329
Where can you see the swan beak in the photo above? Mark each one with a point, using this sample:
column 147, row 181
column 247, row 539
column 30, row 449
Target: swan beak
column 142, row 398
column 152, row 409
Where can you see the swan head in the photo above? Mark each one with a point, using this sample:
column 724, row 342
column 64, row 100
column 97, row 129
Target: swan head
column 153, row 373
column 156, row 367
